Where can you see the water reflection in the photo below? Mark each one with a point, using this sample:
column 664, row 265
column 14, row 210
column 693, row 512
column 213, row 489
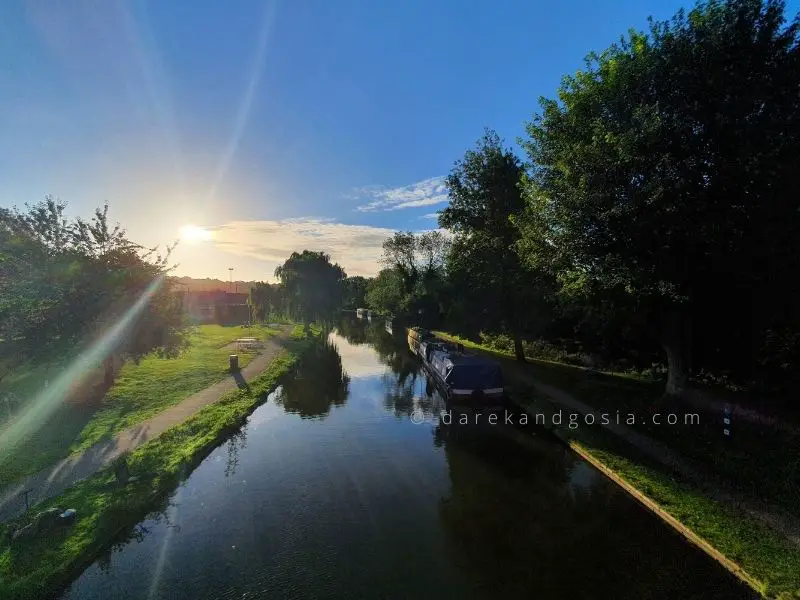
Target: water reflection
column 237, row 443
column 319, row 383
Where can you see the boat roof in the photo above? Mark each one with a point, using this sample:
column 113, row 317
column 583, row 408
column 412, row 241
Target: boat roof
column 471, row 360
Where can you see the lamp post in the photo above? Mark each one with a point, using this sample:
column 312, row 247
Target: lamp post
column 230, row 280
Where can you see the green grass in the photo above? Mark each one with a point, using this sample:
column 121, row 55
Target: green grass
column 107, row 513
column 139, row 392
column 771, row 562
column 145, row 389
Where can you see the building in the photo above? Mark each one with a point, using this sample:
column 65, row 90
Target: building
column 217, row 306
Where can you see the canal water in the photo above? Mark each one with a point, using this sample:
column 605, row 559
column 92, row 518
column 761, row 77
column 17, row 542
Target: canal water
column 337, row 487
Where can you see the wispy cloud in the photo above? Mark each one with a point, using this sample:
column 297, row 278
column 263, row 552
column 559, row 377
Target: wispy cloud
column 430, row 216
column 356, row 247
column 423, row 193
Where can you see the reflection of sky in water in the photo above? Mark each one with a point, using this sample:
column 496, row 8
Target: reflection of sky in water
column 359, row 361
column 582, row 477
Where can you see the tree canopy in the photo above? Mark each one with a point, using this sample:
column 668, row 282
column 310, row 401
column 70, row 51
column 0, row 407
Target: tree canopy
column 484, row 266
column 64, row 281
column 313, row 285
column 664, row 176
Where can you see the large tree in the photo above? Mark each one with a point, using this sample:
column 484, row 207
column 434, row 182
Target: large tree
column 483, row 264
column 665, row 177
column 312, row 285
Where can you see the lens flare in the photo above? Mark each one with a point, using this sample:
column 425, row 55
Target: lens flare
column 46, row 402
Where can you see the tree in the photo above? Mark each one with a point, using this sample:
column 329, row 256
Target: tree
column 355, row 292
column 313, row 285
column 484, row 265
column 665, row 175
column 385, row 292
column 399, row 253
column 266, row 300
column 63, row 282
column 417, row 261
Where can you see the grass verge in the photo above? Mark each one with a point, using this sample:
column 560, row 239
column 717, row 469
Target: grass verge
column 39, row 567
column 762, row 558
column 139, row 392
column 145, row 389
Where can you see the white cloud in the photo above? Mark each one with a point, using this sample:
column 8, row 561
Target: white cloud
column 430, row 216
column 357, row 248
column 423, row 193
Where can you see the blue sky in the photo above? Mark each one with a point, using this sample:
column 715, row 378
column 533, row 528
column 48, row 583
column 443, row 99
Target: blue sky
column 278, row 125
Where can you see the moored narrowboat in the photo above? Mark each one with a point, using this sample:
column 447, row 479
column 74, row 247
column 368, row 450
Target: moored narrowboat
column 459, row 375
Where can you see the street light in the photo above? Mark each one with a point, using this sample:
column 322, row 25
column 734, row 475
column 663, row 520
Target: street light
column 230, row 282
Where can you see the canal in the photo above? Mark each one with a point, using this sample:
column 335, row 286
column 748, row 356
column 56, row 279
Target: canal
column 337, row 487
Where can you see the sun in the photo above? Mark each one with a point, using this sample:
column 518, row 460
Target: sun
column 193, row 233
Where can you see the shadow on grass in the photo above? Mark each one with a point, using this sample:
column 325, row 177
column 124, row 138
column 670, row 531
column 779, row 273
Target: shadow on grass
column 51, row 441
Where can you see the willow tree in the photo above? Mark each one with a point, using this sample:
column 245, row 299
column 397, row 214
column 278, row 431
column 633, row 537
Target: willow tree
column 665, row 173
column 313, row 286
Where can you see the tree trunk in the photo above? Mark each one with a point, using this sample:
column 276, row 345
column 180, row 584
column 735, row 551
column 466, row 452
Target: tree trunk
column 676, row 341
column 519, row 351
column 677, row 370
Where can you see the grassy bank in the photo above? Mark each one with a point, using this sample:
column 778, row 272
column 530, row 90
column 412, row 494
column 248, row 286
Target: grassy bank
column 139, row 392
column 34, row 568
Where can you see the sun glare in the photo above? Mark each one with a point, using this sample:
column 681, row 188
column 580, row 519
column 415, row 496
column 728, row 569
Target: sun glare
column 193, row 233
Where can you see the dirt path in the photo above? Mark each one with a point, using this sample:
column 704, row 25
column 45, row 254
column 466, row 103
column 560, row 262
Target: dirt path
column 54, row 480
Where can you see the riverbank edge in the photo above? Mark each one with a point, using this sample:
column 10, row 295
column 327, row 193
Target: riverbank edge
column 44, row 567
column 758, row 546
column 764, row 561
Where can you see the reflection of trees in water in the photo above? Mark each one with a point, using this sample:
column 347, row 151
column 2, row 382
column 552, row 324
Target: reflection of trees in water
column 236, row 443
column 407, row 387
column 318, row 383
column 404, row 395
column 355, row 331
column 517, row 528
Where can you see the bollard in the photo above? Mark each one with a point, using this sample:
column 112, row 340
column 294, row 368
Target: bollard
column 234, row 362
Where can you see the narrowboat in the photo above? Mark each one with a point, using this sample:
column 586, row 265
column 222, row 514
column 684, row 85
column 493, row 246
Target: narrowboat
column 417, row 335
column 459, row 375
